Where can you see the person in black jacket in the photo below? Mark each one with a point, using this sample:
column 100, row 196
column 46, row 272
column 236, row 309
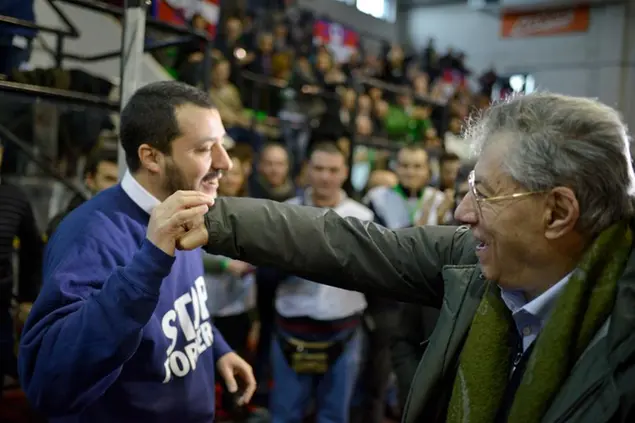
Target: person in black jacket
column 18, row 228
column 101, row 172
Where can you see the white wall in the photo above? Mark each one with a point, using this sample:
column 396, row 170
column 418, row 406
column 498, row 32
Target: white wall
column 350, row 16
column 587, row 64
column 99, row 33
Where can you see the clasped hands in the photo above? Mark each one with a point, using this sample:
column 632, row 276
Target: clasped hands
column 179, row 222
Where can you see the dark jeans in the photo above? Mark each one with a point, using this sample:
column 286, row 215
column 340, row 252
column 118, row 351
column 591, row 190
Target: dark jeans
column 375, row 379
column 235, row 330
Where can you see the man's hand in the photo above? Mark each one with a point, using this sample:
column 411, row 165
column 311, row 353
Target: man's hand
column 196, row 236
column 231, row 365
column 172, row 218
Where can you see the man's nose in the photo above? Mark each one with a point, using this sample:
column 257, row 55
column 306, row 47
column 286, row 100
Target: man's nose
column 466, row 212
column 220, row 158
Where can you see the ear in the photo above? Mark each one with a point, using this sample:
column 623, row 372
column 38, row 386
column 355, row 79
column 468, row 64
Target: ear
column 150, row 158
column 562, row 213
column 89, row 181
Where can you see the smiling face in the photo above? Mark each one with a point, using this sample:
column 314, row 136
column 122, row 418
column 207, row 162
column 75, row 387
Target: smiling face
column 233, row 179
column 511, row 233
column 197, row 157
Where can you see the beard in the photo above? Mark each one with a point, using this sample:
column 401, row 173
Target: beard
column 175, row 180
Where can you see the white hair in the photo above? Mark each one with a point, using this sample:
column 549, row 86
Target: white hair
column 557, row 140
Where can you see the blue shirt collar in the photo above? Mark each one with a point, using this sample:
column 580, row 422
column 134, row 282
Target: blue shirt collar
column 539, row 307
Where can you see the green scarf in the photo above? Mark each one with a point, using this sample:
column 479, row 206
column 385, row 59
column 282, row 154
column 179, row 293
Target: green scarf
column 579, row 312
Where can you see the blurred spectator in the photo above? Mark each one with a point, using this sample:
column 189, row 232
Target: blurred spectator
column 454, row 142
column 18, row 228
column 487, row 82
column 189, row 56
column 101, row 173
column 317, row 349
column 412, row 201
column 394, row 71
column 364, row 105
column 429, row 55
column 226, row 98
column 449, row 164
column 261, row 61
column 281, row 39
column 272, row 178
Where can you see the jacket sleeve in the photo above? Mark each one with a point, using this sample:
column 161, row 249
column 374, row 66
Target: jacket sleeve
column 86, row 323
column 319, row 245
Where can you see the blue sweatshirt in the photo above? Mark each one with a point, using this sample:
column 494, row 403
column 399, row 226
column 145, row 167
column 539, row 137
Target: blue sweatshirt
column 120, row 331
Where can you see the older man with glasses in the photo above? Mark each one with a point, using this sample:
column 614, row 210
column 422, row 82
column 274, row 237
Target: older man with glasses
column 536, row 293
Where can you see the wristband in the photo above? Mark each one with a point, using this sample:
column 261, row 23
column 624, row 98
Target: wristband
column 224, row 264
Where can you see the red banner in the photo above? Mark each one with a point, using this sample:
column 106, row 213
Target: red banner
column 341, row 41
column 180, row 12
column 520, row 25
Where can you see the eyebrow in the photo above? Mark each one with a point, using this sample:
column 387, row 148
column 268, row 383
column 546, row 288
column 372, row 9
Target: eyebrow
column 209, row 139
column 481, row 182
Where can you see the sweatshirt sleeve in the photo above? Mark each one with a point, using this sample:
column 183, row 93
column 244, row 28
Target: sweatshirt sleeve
column 220, row 346
column 87, row 322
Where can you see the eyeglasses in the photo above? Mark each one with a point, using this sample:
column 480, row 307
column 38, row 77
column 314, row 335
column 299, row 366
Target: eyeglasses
column 479, row 198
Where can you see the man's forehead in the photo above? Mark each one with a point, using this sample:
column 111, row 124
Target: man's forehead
column 274, row 153
column 327, row 159
column 200, row 121
column 414, row 155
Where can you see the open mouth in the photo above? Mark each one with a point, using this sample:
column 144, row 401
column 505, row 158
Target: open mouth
column 210, row 182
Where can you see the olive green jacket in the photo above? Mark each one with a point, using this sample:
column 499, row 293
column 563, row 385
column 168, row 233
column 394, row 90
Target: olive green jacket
column 432, row 266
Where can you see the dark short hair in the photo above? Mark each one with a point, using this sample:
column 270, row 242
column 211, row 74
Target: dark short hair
column 413, row 148
column 97, row 157
column 149, row 117
column 448, row 157
column 272, row 144
column 327, row 147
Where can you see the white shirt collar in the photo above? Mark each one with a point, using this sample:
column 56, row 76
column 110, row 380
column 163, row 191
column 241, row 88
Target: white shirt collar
column 540, row 306
column 138, row 194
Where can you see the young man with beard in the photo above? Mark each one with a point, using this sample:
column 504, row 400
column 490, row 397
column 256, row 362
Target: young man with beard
column 121, row 331
column 536, row 293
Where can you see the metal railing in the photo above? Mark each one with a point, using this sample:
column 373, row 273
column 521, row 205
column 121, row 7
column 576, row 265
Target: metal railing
column 60, row 96
column 186, row 34
column 41, row 162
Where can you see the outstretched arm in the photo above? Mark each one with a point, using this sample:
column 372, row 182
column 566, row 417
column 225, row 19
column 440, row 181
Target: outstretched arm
column 319, row 245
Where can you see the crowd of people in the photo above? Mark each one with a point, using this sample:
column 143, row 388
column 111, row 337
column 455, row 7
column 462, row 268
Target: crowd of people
column 291, row 142
column 377, row 137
